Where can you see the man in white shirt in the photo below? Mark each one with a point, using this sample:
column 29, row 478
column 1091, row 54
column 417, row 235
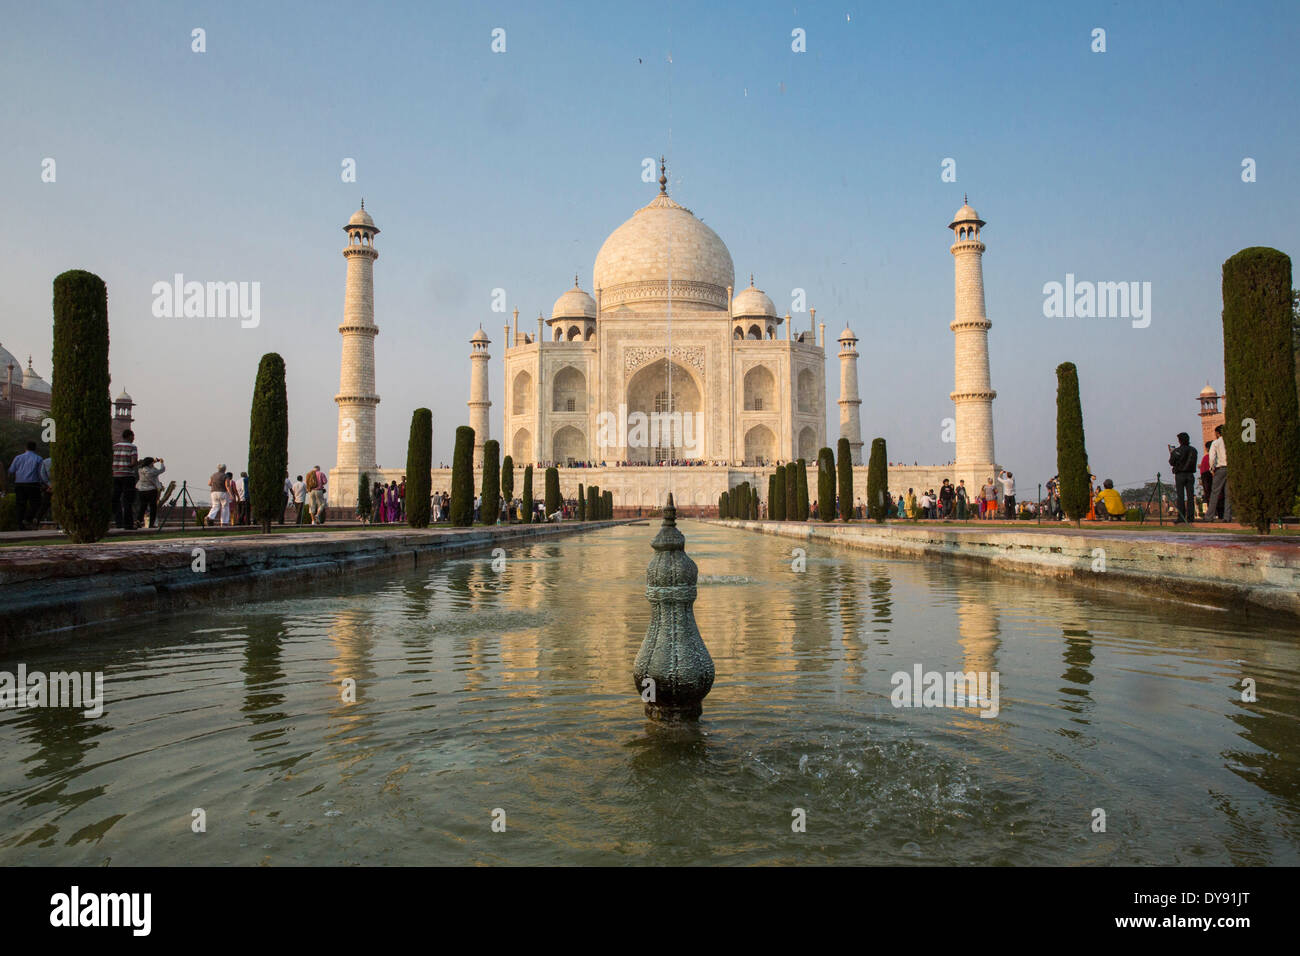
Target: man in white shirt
column 1008, row 492
column 1219, row 470
column 299, row 499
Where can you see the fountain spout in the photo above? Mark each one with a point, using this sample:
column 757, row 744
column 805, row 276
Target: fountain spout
column 673, row 671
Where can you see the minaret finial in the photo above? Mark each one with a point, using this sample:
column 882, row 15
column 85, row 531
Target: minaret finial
column 965, row 200
column 751, row 280
column 575, row 280
column 363, row 202
column 663, row 177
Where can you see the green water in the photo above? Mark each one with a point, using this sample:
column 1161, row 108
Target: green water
column 482, row 690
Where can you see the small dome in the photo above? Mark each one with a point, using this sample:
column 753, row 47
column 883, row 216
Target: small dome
column 123, row 399
column 32, row 381
column 574, row 304
column 752, row 303
column 966, row 213
column 362, row 218
column 847, row 334
column 1208, row 391
column 479, row 336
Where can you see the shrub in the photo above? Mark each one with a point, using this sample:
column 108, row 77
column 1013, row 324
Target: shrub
column 1262, row 436
column 527, row 498
column 771, row 497
column 724, row 505
column 791, row 492
column 82, row 462
column 462, row 478
column 877, row 481
column 491, row 490
column 845, row 454
column 364, row 505
column 582, row 503
column 801, row 488
column 826, row 485
column 1133, row 514
column 419, row 464
column 608, row 510
column 552, row 491
column 777, row 508
column 508, row 480
column 1071, row 454
column 593, row 508
column 268, row 441
column 8, row 512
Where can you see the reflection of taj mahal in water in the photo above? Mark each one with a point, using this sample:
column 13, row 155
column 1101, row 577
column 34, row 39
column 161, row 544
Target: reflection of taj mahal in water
column 666, row 339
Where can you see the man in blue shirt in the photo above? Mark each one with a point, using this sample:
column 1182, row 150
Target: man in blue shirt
column 25, row 470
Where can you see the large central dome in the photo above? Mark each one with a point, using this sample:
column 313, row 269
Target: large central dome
column 663, row 241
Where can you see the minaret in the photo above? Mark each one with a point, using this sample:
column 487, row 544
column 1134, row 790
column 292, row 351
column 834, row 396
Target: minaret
column 850, row 403
column 356, row 398
column 972, row 392
column 479, row 403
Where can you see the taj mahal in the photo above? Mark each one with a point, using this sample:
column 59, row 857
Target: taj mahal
column 664, row 336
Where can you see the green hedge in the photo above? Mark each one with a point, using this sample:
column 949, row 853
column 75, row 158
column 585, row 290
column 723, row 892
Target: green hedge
column 552, row 491
column 528, row 494
column 268, row 442
column 491, row 491
column 419, row 462
column 1071, row 453
column 845, row 465
column 878, row 482
column 801, row 493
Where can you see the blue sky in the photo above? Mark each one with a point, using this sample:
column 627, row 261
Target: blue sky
column 820, row 170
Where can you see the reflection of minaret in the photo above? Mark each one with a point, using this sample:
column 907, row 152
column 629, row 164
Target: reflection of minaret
column 479, row 403
column 850, row 403
column 356, row 398
column 972, row 392
column 977, row 625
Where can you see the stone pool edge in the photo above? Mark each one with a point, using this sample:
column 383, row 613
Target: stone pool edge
column 1205, row 569
column 48, row 591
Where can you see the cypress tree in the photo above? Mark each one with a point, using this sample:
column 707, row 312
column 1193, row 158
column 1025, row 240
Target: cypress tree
column 609, row 505
column 1262, row 437
column 753, row 505
column 82, row 452
column 364, row 505
column 593, row 512
column 462, row 477
column 552, row 491
column 825, row 485
column 801, row 473
column 1071, row 454
column 582, row 503
column 419, row 465
column 491, row 491
column 877, row 480
column 724, row 505
column 508, row 485
column 792, row 493
column 845, row 466
column 268, row 442
column 527, row 497
column 777, row 507
column 771, row 497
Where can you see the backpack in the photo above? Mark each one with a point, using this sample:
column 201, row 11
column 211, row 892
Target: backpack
column 311, row 480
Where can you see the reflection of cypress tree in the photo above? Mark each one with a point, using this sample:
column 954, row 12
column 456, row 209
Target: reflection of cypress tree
column 1078, row 659
column 882, row 602
column 263, row 671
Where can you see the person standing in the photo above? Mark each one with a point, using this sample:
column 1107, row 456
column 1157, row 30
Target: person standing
column 231, row 514
column 322, row 486
column 1008, row 493
column 962, row 503
column 220, row 504
column 1207, row 478
column 25, row 470
column 47, row 493
column 147, row 487
column 989, row 494
column 286, row 496
column 1182, row 459
column 1219, row 469
column 299, row 500
column 245, row 503
column 125, row 464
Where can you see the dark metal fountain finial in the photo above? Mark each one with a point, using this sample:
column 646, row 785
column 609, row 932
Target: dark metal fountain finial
column 663, row 177
column 673, row 671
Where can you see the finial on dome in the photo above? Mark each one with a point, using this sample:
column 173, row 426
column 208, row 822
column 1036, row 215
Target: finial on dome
column 751, row 280
column 663, row 177
column 363, row 202
column 965, row 201
column 575, row 280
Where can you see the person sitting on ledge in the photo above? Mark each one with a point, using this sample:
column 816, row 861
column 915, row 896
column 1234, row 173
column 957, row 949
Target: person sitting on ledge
column 1110, row 506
